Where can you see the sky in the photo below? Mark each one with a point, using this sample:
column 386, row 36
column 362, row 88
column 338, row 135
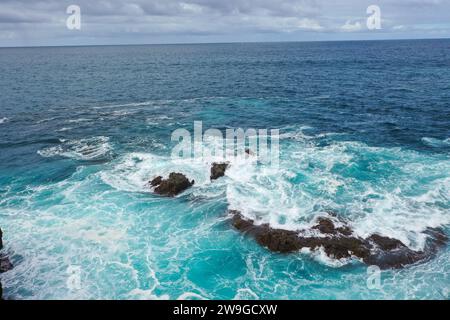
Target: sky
column 44, row 23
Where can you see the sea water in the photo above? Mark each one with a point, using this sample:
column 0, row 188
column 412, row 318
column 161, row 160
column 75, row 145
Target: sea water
column 364, row 132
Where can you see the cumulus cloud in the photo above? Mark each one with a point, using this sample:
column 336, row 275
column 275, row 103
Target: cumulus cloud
column 42, row 22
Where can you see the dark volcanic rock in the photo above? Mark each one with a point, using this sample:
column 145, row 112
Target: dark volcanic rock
column 278, row 240
column 218, row 170
column 175, row 184
column 392, row 253
column 338, row 242
column 326, row 226
column 5, row 264
column 156, row 181
column 385, row 243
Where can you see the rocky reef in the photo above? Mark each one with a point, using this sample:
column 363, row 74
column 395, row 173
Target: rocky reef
column 339, row 242
column 218, row 170
column 172, row 186
column 329, row 233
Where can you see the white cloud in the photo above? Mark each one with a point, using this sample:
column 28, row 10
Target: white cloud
column 398, row 27
column 29, row 22
column 352, row 27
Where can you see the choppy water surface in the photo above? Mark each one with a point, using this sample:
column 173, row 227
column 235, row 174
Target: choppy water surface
column 364, row 129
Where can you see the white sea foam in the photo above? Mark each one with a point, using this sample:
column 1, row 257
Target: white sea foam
column 135, row 170
column 191, row 296
column 312, row 180
column 45, row 120
column 133, row 104
column 83, row 149
column 63, row 129
column 245, row 294
column 320, row 256
column 436, row 143
column 78, row 120
column 126, row 247
column 125, row 112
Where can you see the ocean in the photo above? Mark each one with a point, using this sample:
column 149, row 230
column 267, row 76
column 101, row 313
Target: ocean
column 364, row 132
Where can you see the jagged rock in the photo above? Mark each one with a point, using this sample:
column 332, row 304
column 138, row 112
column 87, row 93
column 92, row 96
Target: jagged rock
column 175, row 184
column 392, row 253
column 218, row 170
column 338, row 242
column 156, row 181
column 325, row 226
column 385, row 243
column 275, row 239
column 5, row 264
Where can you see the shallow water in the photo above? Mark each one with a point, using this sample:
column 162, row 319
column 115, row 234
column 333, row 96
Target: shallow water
column 364, row 133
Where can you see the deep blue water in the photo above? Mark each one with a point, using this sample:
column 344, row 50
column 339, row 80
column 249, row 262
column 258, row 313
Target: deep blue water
column 365, row 132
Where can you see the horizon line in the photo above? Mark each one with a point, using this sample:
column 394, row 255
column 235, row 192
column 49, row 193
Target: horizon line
column 210, row 43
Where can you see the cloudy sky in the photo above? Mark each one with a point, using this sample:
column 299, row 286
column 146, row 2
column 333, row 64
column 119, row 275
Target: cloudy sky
column 34, row 22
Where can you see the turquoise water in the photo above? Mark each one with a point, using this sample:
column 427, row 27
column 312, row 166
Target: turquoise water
column 364, row 132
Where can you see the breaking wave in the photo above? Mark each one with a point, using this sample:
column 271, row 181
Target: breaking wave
column 96, row 148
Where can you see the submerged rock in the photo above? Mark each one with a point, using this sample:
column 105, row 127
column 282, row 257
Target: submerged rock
column 173, row 185
column 339, row 243
column 218, row 170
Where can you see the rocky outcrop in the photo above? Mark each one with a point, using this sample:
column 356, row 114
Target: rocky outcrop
column 392, row 253
column 218, row 170
column 172, row 186
column 339, row 242
column 156, row 181
column 5, row 264
column 1, row 247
